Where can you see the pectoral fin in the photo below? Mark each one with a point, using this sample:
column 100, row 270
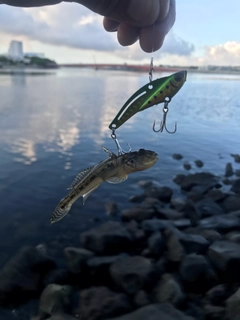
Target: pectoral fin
column 86, row 195
column 117, row 179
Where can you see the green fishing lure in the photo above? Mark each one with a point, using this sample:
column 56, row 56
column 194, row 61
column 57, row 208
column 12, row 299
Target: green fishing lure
column 154, row 92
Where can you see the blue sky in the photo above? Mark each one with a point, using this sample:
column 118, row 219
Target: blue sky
column 205, row 32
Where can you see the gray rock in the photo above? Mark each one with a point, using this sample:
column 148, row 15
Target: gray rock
column 179, row 178
column 132, row 273
column 153, row 225
column 111, row 208
column 137, row 198
column 194, row 243
column 55, row 298
column 202, row 178
column 187, row 165
column 191, row 213
column 216, row 195
column 233, row 306
column 99, row 303
column 141, row 299
column 236, row 157
column 168, row 290
column 225, row 257
column 108, row 238
column 199, row 163
column 177, row 156
column 183, row 223
column 178, row 203
column 236, row 186
column 214, row 312
column 156, row 243
column 175, row 250
column 61, row 316
column 163, row 311
column 22, row 276
column 197, row 273
column 233, row 236
column 237, row 173
column 168, row 213
column 223, row 223
column 207, row 207
column 104, row 261
column 210, row 235
column 161, row 193
column 232, row 203
column 133, row 227
column 145, row 183
column 218, row 294
column 153, row 203
column 229, row 170
column 76, row 258
column 138, row 213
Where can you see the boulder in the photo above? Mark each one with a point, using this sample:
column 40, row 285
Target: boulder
column 197, row 273
column 233, row 306
column 168, row 213
column 208, row 207
column 76, row 258
column 222, row 223
column 55, row 298
column 168, row 290
column 132, row 273
column 22, row 276
column 194, row 243
column 156, row 243
column 187, row 182
column 225, row 257
column 177, row 156
column 152, row 225
column 175, row 250
column 98, row 303
column 229, row 170
column 161, row 193
column 232, row 203
column 138, row 213
column 163, row 311
column 111, row 208
column 108, row 238
column 236, row 186
column 199, row 163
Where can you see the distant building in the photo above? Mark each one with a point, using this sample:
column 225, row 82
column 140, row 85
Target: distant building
column 34, row 54
column 15, row 51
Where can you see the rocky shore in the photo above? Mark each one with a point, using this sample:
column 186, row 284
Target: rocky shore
column 171, row 258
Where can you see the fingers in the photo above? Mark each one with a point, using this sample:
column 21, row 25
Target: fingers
column 110, row 25
column 29, row 3
column 127, row 35
column 151, row 38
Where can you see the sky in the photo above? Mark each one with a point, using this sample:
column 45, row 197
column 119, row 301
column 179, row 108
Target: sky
column 205, row 33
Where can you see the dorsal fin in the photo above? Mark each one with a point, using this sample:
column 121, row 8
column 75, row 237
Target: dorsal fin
column 80, row 177
column 109, row 152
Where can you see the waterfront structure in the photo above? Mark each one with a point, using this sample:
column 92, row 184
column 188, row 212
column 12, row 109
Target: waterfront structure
column 15, row 51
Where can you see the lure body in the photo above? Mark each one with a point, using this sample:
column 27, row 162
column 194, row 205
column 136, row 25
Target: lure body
column 152, row 93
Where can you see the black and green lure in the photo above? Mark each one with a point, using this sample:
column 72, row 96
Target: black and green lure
column 153, row 93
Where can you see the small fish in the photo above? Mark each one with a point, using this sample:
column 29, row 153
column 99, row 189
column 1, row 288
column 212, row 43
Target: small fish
column 114, row 169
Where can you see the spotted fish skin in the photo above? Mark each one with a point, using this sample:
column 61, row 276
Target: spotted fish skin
column 115, row 169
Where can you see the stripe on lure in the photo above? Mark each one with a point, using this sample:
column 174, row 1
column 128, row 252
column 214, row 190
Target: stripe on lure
column 154, row 92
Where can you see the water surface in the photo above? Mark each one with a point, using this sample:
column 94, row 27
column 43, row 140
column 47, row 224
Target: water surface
column 52, row 126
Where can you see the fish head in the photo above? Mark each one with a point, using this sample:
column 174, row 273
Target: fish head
column 139, row 160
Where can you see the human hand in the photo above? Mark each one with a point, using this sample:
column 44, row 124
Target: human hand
column 148, row 21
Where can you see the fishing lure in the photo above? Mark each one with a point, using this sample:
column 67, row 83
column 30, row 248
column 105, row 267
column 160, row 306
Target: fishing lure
column 155, row 92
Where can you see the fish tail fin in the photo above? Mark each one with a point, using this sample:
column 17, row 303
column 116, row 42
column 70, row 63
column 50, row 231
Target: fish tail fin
column 60, row 211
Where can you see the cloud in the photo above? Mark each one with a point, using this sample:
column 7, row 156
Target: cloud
column 227, row 53
column 69, row 25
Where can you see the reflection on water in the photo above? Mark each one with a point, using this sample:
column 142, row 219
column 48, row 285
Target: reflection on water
column 53, row 126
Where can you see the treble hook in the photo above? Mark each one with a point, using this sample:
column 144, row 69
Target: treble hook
column 163, row 122
column 120, row 149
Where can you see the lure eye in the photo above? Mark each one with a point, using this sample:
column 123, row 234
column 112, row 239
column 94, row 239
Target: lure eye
column 178, row 77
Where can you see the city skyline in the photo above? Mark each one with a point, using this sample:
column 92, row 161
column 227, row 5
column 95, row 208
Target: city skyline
column 204, row 34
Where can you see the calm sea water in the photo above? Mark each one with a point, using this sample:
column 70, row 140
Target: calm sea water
column 52, row 126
